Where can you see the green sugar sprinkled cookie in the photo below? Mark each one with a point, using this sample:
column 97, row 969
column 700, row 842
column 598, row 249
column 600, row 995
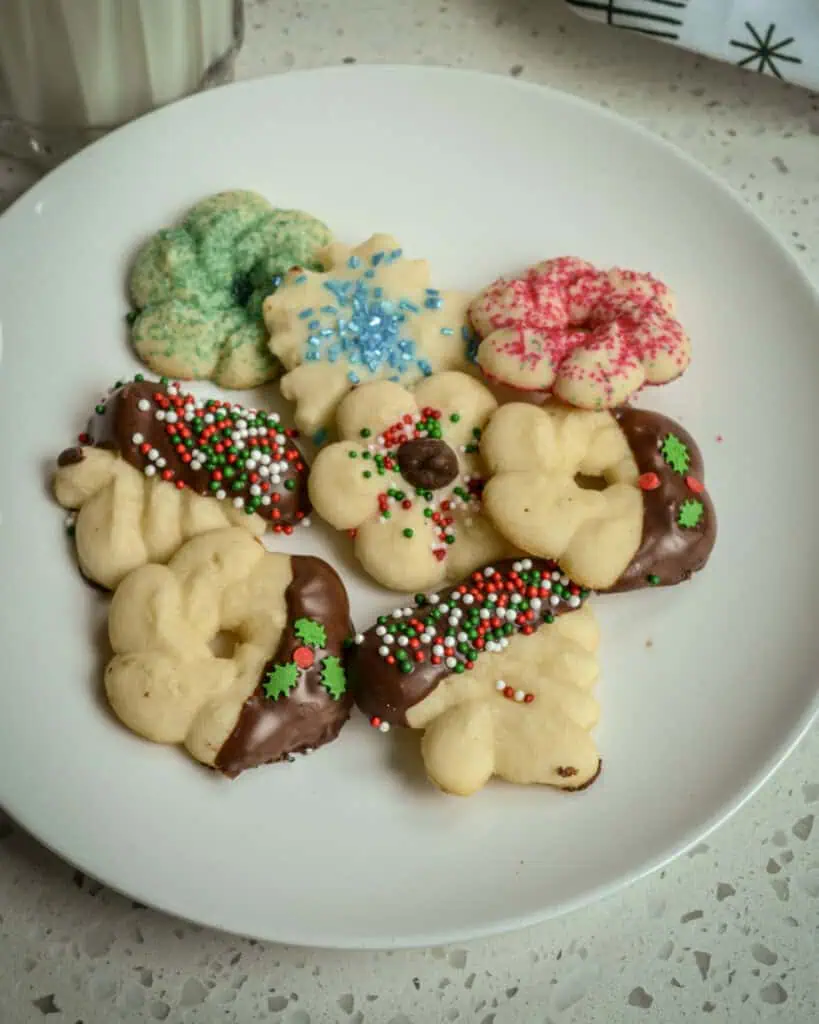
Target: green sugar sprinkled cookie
column 198, row 288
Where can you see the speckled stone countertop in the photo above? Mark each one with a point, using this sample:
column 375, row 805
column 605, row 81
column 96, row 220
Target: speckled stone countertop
column 727, row 932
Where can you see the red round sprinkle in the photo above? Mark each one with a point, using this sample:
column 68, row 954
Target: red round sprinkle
column 528, row 698
column 375, row 721
column 695, row 485
column 649, row 481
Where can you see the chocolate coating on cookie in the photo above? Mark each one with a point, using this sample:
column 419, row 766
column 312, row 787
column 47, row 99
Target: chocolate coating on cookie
column 427, row 462
column 490, row 606
column 269, row 729
column 70, row 457
column 215, row 448
column 679, row 521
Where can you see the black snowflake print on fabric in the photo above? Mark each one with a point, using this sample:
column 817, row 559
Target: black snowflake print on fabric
column 763, row 51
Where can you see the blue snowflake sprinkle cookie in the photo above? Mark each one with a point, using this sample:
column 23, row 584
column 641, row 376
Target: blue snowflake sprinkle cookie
column 369, row 315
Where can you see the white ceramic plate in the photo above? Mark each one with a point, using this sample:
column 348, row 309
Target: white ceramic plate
column 706, row 686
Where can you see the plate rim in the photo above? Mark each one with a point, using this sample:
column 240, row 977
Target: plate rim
column 767, row 767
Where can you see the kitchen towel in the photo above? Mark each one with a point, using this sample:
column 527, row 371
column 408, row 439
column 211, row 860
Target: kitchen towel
column 772, row 37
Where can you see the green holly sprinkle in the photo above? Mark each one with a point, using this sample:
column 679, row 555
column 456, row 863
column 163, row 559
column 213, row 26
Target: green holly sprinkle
column 690, row 514
column 455, row 418
column 280, row 680
column 653, row 579
column 365, row 432
column 333, row 678
column 408, row 532
column 310, row 632
column 676, row 454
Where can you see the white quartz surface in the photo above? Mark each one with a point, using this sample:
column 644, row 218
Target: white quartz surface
column 727, row 932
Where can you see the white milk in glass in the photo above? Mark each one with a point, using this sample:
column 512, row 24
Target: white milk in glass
column 93, row 64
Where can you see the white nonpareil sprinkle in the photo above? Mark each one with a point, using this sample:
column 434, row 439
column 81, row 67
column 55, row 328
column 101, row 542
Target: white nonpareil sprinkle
column 398, row 613
column 451, row 662
column 526, row 563
column 159, row 414
column 574, row 601
column 149, row 470
column 515, row 598
column 221, row 495
column 137, row 439
column 517, row 566
column 306, row 522
column 238, row 502
column 265, row 499
column 554, row 600
column 511, row 615
column 468, row 599
column 384, row 727
column 434, row 599
column 449, row 641
column 380, row 630
column 484, row 613
column 519, row 695
column 389, row 639
column 359, row 638
column 255, row 490
column 383, row 651
column 444, row 608
column 153, row 455
column 437, row 650
column 143, row 405
column 402, row 641
column 161, row 463
column 535, row 604
column 489, row 571
column 500, row 685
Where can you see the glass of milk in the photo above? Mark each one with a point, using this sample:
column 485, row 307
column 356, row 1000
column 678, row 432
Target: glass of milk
column 72, row 70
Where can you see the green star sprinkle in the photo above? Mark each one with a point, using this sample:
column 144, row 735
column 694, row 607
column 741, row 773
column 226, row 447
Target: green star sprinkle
column 690, row 514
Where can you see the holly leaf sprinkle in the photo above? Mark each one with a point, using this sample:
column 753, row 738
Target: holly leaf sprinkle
column 676, row 454
column 310, row 632
column 280, row 680
column 333, row 678
column 690, row 514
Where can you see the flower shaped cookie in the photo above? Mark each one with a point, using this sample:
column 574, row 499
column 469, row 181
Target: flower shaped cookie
column 280, row 690
column 618, row 499
column 592, row 337
column 198, row 288
column 370, row 315
column 406, row 480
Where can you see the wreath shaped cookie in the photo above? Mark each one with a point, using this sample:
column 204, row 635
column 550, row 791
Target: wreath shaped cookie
column 368, row 315
column 198, row 288
column 617, row 498
column 591, row 337
column 281, row 690
column 158, row 466
column 497, row 671
column 406, row 480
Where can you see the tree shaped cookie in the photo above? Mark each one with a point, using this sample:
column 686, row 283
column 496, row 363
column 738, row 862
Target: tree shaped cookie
column 158, row 466
column 497, row 671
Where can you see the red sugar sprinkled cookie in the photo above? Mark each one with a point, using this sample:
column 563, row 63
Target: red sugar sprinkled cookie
column 592, row 337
